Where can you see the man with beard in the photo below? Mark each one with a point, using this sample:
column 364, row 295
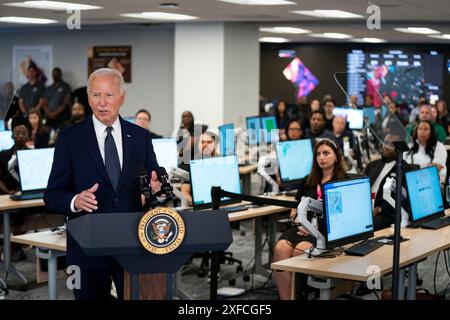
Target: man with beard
column 77, row 115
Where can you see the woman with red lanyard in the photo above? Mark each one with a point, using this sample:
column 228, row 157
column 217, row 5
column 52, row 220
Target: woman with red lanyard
column 327, row 166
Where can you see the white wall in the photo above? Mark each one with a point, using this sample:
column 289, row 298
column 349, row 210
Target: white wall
column 241, row 83
column 199, row 72
column 152, row 62
column 216, row 72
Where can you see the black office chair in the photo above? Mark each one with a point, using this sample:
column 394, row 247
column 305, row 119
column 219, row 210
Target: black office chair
column 225, row 257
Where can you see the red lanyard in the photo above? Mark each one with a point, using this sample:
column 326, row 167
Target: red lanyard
column 319, row 192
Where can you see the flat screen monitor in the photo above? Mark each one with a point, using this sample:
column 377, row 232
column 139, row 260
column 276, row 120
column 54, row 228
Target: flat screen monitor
column 130, row 119
column 424, row 194
column 253, row 130
column 355, row 117
column 269, row 127
column 295, row 159
column 6, row 140
column 218, row 171
column 226, row 136
column 348, row 211
column 35, row 166
column 166, row 152
column 369, row 114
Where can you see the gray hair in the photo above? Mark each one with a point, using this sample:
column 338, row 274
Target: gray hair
column 108, row 72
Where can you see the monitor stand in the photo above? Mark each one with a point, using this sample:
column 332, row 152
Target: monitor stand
column 316, row 252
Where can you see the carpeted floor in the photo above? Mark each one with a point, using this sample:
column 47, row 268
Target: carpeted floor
column 257, row 288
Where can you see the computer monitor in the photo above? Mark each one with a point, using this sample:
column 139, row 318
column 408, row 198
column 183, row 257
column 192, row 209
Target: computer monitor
column 218, row 171
column 34, row 168
column 424, row 194
column 355, row 117
column 6, row 140
column 348, row 211
column 295, row 159
column 253, row 130
column 226, row 136
column 166, row 152
column 369, row 114
column 130, row 119
column 269, row 126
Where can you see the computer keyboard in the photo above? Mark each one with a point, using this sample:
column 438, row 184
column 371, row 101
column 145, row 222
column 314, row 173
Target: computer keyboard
column 27, row 196
column 234, row 209
column 363, row 248
column 291, row 193
column 437, row 223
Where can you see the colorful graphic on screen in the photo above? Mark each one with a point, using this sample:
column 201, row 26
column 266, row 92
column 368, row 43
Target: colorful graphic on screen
column 301, row 77
column 404, row 76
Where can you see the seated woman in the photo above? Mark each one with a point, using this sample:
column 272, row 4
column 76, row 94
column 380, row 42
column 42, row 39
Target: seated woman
column 327, row 166
column 427, row 150
column 292, row 131
column 40, row 134
column 281, row 116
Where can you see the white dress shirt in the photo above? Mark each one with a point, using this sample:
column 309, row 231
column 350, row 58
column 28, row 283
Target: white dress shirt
column 424, row 160
column 100, row 133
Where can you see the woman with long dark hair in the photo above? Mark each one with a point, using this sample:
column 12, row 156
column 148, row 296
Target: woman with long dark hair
column 40, row 134
column 427, row 150
column 281, row 115
column 327, row 166
column 443, row 118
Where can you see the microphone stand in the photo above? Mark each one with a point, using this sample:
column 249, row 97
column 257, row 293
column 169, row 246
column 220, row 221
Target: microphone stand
column 216, row 194
column 151, row 199
column 400, row 148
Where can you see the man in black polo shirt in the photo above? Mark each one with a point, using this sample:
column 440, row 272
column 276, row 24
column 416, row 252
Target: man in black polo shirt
column 31, row 94
column 57, row 100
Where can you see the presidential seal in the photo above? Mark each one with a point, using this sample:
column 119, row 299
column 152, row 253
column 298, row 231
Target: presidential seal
column 161, row 230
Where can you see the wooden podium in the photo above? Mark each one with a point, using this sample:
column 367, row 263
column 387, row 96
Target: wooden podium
column 116, row 234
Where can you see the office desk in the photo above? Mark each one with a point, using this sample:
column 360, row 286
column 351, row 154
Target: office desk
column 7, row 205
column 49, row 246
column 246, row 173
column 421, row 244
column 253, row 213
column 257, row 213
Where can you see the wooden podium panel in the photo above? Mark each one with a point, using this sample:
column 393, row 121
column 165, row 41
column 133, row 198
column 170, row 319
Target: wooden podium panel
column 151, row 286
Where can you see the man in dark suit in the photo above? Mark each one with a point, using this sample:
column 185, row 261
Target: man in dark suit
column 95, row 170
column 378, row 171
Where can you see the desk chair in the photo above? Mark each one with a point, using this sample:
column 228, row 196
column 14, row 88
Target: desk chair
column 225, row 257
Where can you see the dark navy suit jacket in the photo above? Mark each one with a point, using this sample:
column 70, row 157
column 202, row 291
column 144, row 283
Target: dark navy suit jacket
column 78, row 165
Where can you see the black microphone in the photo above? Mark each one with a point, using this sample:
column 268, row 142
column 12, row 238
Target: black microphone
column 163, row 177
column 144, row 185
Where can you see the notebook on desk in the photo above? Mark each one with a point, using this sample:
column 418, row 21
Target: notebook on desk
column 34, row 170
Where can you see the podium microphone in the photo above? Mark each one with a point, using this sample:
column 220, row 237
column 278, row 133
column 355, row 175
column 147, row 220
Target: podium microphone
column 163, row 177
column 144, row 185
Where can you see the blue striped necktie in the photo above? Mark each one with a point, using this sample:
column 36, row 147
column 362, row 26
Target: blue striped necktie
column 112, row 162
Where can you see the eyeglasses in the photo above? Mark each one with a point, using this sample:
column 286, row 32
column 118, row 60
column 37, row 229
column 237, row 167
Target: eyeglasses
column 295, row 129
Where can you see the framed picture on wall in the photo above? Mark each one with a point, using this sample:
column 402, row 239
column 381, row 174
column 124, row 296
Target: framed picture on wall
column 114, row 57
column 39, row 56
